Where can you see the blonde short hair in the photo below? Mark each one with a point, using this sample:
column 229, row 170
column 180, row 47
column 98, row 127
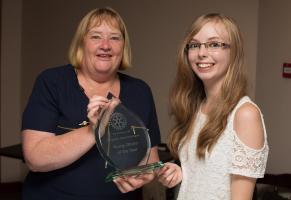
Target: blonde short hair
column 96, row 17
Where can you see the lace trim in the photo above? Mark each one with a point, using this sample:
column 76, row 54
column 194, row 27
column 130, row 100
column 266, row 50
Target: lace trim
column 249, row 162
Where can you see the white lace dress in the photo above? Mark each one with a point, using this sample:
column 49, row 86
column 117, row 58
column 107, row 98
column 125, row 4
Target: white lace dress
column 209, row 179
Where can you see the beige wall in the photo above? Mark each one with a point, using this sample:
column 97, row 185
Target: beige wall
column 155, row 28
column 274, row 92
column 11, row 169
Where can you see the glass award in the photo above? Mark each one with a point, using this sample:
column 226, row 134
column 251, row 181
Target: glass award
column 123, row 140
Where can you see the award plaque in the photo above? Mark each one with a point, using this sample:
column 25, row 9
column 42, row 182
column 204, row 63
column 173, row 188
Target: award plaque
column 123, row 140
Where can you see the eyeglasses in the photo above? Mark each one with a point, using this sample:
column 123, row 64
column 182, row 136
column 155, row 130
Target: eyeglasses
column 210, row 46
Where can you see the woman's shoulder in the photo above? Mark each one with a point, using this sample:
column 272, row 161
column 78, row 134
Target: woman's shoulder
column 54, row 72
column 131, row 81
column 250, row 140
column 249, row 125
column 56, row 75
column 245, row 106
column 246, row 109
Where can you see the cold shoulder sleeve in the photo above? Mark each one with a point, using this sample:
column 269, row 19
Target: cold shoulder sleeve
column 247, row 161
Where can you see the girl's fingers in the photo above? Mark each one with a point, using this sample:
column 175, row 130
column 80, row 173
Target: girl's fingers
column 170, row 175
column 166, row 171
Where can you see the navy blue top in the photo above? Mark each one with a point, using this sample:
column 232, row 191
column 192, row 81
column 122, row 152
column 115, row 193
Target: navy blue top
column 58, row 100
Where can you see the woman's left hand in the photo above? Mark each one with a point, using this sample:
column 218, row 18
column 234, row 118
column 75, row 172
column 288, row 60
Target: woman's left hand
column 129, row 183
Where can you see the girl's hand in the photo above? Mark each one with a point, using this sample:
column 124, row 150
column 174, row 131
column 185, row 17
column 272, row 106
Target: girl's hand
column 170, row 175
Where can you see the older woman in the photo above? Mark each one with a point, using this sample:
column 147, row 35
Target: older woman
column 58, row 143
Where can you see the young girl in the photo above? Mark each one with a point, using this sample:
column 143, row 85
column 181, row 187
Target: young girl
column 219, row 136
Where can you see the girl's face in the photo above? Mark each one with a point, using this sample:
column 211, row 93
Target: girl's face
column 209, row 53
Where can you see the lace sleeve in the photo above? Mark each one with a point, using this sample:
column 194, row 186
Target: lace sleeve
column 247, row 161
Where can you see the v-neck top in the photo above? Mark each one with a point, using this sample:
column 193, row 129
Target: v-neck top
column 57, row 104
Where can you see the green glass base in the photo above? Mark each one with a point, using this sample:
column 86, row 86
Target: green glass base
column 134, row 171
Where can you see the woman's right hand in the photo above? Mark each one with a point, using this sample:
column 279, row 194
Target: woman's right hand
column 96, row 103
column 170, row 175
column 130, row 183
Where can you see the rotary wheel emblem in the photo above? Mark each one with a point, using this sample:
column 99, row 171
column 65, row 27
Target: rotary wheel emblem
column 118, row 121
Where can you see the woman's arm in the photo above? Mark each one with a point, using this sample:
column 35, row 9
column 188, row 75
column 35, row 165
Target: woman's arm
column 249, row 128
column 45, row 151
column 242, row 187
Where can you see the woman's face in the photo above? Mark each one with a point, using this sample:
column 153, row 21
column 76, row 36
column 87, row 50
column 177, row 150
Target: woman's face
column 210, row 63
column 103, row 49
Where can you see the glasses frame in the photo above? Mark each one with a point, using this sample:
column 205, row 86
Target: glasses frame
column 221, row 45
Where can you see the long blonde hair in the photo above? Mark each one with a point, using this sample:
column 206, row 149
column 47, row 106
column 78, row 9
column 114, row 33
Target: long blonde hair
column 95, row 18
column 188, row 92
